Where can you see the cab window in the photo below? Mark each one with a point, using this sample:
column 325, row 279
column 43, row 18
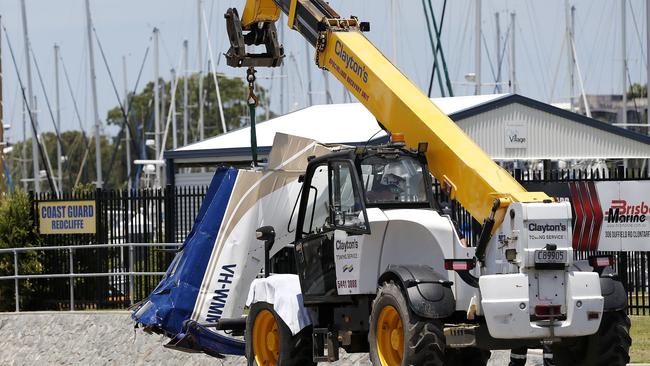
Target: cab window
column 393, row 179
column 318, row 205
column 347, row 205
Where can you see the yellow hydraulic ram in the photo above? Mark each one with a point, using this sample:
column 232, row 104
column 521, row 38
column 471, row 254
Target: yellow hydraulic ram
column 464, row 170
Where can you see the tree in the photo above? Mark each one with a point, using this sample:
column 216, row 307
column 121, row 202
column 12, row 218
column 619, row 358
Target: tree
column 637, row 91
column 17, row 230
column 234, row 94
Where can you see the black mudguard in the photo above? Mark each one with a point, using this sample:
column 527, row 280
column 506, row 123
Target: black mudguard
column 614, row 293
column 428, row 293
column 611, row 288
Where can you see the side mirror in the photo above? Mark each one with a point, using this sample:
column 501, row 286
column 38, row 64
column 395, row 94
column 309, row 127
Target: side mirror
column 265, row 233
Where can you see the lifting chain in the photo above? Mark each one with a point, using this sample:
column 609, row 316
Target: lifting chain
column 250, row 77
column 252, row 105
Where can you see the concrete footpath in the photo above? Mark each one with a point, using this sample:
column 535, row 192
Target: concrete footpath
column 108, row 338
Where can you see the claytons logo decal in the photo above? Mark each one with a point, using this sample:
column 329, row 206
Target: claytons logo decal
column 548, row 232
column 350, row 62
column 546, row 227
column 346, row 245
column 347, row 68
column 347, row 258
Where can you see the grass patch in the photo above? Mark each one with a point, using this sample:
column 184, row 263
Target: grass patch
column 640, row 332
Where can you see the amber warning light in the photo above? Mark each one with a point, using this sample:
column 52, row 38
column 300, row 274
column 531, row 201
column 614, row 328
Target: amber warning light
column 397, row 138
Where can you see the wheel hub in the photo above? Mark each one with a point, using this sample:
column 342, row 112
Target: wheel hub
column 395, row 339
column 390, row 336
column 266, row 339
column 270, row 341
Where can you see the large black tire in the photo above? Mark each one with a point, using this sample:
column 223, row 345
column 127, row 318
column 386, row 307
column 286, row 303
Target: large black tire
column 293, row 350
column 610, row 346
column 467, row 357
column 424, row 341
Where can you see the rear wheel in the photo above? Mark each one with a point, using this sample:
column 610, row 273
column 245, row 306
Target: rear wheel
column 610, row 346
column 399, row 337
column 269, row 341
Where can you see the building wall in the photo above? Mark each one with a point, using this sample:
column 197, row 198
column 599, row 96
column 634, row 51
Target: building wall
column 547, row 136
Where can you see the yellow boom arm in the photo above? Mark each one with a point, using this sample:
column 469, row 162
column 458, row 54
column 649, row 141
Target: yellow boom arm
column 464, row 170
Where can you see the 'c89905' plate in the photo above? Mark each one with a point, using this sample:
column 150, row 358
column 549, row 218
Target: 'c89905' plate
column 551, row 259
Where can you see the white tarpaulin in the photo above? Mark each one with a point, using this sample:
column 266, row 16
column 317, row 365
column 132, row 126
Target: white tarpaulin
column 259, row 198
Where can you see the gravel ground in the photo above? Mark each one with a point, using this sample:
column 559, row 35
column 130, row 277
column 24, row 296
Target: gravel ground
column 108, row 338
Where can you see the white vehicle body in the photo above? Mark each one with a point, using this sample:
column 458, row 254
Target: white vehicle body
column 508, row 291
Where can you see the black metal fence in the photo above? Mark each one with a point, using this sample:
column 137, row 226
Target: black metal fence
column 167, row 216
column 154, row 216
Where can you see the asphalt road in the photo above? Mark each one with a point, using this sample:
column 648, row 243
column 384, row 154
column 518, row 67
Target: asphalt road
column 108, row 338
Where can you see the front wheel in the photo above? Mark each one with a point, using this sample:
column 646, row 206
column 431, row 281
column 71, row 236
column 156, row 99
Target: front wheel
column 399, row 337
column 269, row 341
column 610, row 346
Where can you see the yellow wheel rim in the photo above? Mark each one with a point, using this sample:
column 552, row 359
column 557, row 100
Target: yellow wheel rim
column 390, row 337
column 266, row 339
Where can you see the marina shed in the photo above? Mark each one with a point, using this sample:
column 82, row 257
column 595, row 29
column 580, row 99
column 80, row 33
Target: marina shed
column 509, row 127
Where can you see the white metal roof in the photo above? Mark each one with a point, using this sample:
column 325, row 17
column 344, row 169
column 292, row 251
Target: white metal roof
column 328, row 124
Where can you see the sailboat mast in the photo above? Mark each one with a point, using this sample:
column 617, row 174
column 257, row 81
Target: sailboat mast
column 513, row 59
column 498, row 51
column 199, row 6
column 568, row 16
column 477, row 50
column 127, row 140
column 93, row 86
column 156, row 101
column 624, row 56
column 186, row 115
column 393, row 30
column 30, row 103
column 173, row 110
column 647, row 53
column 3, row 185
column 57, row 99
column 23, row 151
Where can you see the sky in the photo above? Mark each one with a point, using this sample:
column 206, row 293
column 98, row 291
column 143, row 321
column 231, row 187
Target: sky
column 125, row 30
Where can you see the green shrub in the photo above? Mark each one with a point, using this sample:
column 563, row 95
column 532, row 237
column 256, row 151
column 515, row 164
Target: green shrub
column 17, row 230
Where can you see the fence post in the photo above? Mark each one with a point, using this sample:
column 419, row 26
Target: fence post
column 71, row 279
column 170, row 214
column 99, row 239
column 131, row 297
column 623, row 272
column 16, row 282
column 34, row 216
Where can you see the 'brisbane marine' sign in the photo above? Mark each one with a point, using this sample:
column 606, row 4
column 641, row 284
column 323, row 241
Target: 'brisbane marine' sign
column 67, row 217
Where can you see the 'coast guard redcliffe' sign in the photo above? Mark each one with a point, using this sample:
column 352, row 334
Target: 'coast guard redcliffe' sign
column 67, row 217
